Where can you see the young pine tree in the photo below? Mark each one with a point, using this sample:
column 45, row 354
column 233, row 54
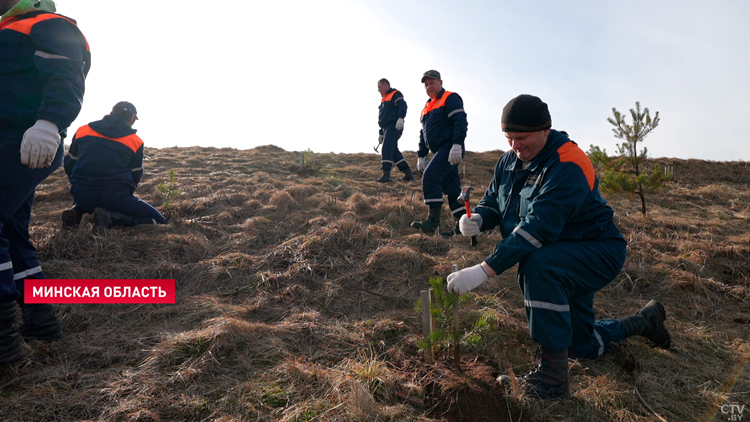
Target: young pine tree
column 630, row 171
column 169, row 190
column 447, row 335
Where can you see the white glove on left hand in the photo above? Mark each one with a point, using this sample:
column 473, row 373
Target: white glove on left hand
column 380, row 139
column 400, row 124
column 421, row 164
column 470, row 226
column 466, row 280
column 454, row 157
column 39, row 144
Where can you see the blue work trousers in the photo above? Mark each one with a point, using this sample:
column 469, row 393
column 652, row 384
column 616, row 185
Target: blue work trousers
column 390, row 152
column 558, row 282
column 17, row 186
column 118, row 200
column 440, row 177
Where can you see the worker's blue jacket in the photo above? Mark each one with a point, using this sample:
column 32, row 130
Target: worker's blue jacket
column 443, row 123
column 556, row 197
column 44, row 60
column 106, row 154
column 392, row 107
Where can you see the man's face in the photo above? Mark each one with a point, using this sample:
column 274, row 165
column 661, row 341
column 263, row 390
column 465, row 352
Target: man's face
column 432, row 86
column 527, row 145
column 6, row 5
column 383, row 87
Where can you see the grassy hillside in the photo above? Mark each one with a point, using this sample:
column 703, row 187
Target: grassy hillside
column 296, row 293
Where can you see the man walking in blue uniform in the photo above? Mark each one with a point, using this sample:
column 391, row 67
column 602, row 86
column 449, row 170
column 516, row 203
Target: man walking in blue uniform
column 557, row 227
column 104, row 165
column 392, row 111
column 44, row 60
column 443, row 132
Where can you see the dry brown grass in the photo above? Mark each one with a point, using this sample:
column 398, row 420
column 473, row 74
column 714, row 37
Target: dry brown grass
column 296, row 289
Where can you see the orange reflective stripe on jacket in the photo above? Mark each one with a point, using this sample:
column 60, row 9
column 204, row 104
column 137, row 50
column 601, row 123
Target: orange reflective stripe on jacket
column 388, row 97
column 7, row 22
column 435, row 103
column 571, row 153
column 131, row 141
column 24, row 25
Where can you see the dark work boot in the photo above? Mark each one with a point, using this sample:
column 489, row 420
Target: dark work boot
column 71, row 217
column 455, row 230
column 10, row 340
column 40, row 322
column 649, row 323
column 386, row 177
column 104, row 219
column 431, row 224
column 549, row 380
column 408, row 175
column 452, row 232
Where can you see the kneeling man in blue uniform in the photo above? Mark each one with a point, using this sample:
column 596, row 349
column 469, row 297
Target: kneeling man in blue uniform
column 545, row 200
column 104, row 165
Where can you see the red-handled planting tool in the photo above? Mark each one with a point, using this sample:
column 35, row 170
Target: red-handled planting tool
column 465, row 195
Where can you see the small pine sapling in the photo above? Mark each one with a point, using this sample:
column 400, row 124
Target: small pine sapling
column 308, row 158
column 447, row 334
column 169, row 190
column 630, row 171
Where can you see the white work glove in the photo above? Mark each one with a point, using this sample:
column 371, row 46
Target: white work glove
column 470, row 226
column 400, row 124
column 454, row 157
column 39, row 144
column 466, row 280
column 380, row 139
column 421, row 164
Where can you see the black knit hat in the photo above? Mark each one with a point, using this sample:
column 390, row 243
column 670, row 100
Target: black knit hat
column 525, row 113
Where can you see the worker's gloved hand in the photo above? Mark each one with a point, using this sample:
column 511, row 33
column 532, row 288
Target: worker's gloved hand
column 421, row 164
column 400, row 124
column 39, row 144
column 470, row 226
column 380, row 139
column 454, row 157
column 466, row 280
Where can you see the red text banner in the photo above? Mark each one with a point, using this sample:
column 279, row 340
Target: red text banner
column 98, row 291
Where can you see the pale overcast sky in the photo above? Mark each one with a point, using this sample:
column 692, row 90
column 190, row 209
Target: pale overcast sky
column 303, row 74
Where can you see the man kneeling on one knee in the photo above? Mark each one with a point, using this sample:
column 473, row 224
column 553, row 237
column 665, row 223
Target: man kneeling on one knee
column 545, row 200
column 104, row 165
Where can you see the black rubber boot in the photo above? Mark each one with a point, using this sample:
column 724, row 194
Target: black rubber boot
column 71, row 217
column 10, row 340
column 40, row 322
column 649, row 323
column 408, row 175
column 455, row 230
column 104, row 219
column 386, row 177
column 549, row 380
column 431, row 224
column 452, row 232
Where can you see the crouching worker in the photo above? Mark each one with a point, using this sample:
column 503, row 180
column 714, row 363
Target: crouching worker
column 104, row 165
column 545, row 200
